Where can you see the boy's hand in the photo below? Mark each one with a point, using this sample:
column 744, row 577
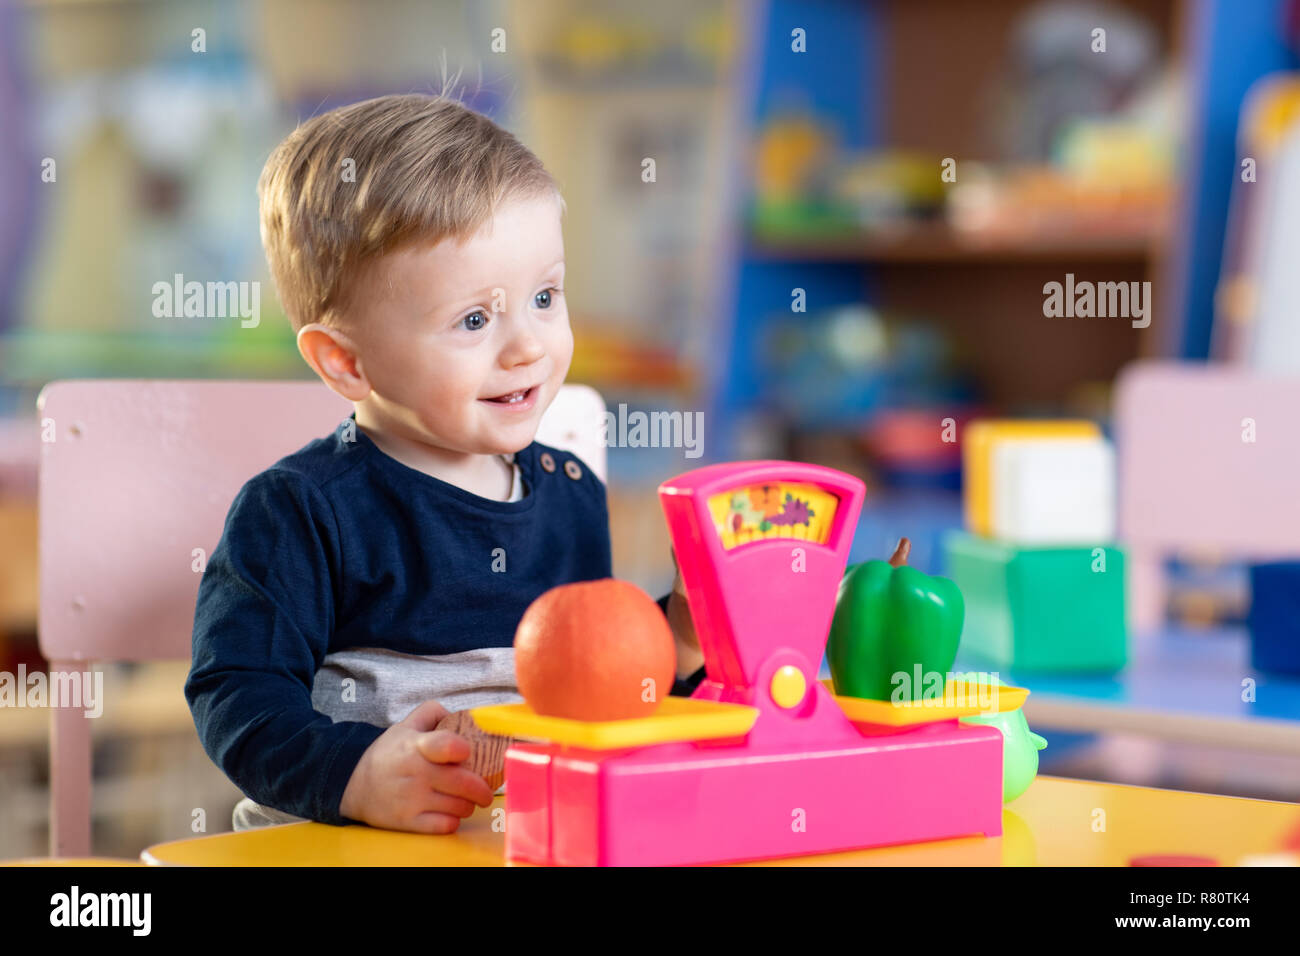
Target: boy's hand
column 689, row 657
column 487, row 752
column 410, row 778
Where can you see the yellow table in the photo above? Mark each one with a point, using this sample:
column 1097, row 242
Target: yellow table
column 1056, row 822
column 77, row 861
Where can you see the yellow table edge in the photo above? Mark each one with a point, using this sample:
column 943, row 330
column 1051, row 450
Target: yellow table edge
column 72, row 861
column 1051, row 824
column 677, row 719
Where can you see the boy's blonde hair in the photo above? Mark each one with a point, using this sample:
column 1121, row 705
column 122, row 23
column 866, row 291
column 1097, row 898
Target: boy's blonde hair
column 423, row 168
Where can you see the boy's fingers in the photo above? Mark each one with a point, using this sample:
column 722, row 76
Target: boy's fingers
column 464, row 783
column 426, row 716
column 450, row 804
column 442, row 746
column 435, row 823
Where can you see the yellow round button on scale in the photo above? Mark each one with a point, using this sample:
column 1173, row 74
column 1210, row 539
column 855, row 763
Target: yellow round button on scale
column 788, row 686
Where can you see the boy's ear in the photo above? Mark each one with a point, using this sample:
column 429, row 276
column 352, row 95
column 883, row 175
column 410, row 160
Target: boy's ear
column 334, row 357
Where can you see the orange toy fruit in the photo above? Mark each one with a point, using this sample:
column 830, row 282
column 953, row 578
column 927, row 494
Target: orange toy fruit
column 587, row 651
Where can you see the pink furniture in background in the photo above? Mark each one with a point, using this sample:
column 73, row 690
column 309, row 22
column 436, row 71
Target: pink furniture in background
column 135, row 476
column 1189, row 478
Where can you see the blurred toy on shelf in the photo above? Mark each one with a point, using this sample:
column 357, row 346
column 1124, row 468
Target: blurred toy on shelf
column 633, row 49
column 888, row 188
column 1043, row 201
column 1088, row 141
column 1040, row 608
column 806, row 186
column 1042, row 577
column 1035, row 480
column 980, row 442
column 829, row 367
column 909, row 447
column 1107, row 177
column 604, row 360
column 1205, row 590
column 836, row 367
column 1255, row 297
column 1060, row 67
column 792, row 151
column 1275, row 617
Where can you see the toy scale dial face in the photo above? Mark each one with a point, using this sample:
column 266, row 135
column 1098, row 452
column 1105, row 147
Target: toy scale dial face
column 769, row 510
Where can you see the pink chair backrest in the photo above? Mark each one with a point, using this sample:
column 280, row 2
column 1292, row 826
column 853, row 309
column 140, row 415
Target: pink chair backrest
column 1191, row 478
column 137, row 476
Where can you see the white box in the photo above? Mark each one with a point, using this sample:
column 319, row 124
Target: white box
column 1053, row 491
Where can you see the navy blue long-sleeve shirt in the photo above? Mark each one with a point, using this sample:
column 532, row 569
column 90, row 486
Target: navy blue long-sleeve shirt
column 341, row 572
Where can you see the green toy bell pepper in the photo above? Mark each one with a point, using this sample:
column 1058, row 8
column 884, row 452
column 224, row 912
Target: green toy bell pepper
column 893, row 628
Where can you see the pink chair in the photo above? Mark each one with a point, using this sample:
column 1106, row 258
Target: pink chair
column 135, row 476
column 1189, row 478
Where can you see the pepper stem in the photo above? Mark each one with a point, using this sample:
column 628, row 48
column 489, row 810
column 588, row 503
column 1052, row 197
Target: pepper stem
column 901, row 552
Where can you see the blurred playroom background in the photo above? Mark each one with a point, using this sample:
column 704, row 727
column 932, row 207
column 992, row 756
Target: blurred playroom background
column 856, row 207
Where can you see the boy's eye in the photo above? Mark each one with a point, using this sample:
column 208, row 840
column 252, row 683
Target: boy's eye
column 545, row 297
column 474, row 321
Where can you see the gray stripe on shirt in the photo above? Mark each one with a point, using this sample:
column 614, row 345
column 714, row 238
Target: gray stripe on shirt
column 388, row 686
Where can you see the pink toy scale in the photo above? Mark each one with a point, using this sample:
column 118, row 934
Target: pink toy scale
column 804, row 779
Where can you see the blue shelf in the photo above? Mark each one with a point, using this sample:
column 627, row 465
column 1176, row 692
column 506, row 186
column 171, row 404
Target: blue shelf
column 1230, row 46
column 1227, row 47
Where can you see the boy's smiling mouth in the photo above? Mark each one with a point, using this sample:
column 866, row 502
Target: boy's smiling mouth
column 515, row 401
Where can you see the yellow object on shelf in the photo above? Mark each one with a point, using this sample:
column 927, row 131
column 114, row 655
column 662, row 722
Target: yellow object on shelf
column 1269, row 113
column 977, row 456
column 791, row 149
column 677, row 719
column 968, row 699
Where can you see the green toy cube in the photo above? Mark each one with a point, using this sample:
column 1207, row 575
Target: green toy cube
column 1040, row 609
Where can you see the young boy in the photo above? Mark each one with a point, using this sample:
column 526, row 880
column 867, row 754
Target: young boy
column 371, row 582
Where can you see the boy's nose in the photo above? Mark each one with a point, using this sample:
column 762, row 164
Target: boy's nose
column 523, row 346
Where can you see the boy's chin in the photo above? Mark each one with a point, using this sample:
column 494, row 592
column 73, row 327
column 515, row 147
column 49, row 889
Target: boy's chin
column 509, row 445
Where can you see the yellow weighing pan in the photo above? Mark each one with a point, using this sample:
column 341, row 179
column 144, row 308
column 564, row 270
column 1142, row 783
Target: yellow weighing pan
column 676, row 719
column 683, row 718
column 964, row 696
